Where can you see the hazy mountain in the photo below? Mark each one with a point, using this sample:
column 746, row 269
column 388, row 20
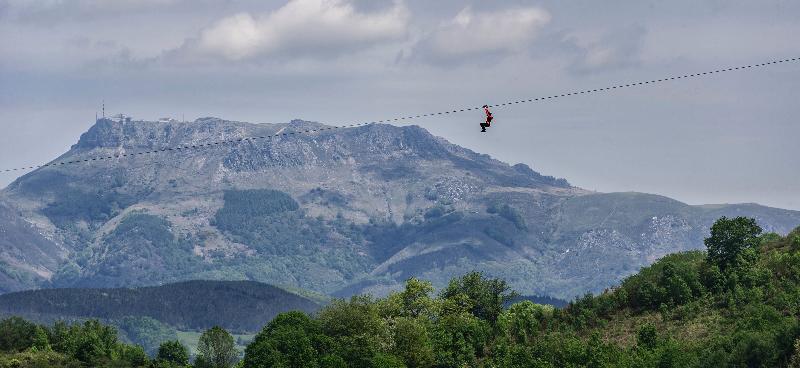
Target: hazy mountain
column 334, row 211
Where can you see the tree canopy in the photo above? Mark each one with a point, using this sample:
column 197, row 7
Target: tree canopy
column 173, row 353
column 730, row 239
column 216, row 349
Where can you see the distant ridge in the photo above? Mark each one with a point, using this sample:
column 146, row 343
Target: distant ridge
column 235, row 305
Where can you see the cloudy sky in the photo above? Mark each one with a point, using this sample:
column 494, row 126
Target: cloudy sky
column 726, row 138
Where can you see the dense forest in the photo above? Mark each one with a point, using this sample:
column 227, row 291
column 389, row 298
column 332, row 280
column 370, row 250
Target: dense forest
column 737, row 304
column 189, row 305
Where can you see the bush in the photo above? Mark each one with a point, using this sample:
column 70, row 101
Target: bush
column 674, row 280
column 647, row 337
column 38, row 359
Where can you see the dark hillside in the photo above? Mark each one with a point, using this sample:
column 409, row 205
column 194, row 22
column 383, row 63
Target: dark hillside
column 236, row 305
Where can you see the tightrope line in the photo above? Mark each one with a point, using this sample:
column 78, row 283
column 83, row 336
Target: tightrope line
column 410, row 117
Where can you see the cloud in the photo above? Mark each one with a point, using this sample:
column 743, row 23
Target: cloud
column 299, row 28
column 597, row 51
column 475, row 34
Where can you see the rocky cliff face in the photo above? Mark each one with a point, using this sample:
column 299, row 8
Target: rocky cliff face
column 335, row 210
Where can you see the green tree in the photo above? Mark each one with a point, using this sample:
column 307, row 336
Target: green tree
column 712, row 277
column 216, row 349
column 60, row 337
column 40, row 340
column 416, row 297
column 459, row 339
column 357, row 328
column 485, row 297
column 412, row 342
column 94, row 343
column 730, row 238
column 676, row 288
column 173, row 353
column 131, row 355
column 414, row 301
column 291, row 339
column 795, row 242
column 522, row 322
column 16, row 334
column 648, row 295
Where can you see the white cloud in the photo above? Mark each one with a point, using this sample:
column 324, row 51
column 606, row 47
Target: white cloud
column 300, row 28
column 474, row 33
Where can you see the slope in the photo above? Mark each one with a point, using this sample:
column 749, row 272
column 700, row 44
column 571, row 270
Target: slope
column 193, row 305
column 27, row 258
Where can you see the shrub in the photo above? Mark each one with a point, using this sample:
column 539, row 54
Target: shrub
column 647, row 336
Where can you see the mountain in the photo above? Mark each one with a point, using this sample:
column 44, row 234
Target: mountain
column 336, row 211
column 189, row 305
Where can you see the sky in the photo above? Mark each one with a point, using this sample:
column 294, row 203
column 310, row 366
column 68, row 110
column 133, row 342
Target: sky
column 726, row 138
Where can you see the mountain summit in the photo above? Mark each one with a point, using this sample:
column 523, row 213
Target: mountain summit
column 335, row 211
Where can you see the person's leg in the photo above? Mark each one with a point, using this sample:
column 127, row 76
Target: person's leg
column 483, row 127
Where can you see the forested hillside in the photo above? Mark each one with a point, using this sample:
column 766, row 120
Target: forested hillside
column 737, row 304
column 192, row 305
